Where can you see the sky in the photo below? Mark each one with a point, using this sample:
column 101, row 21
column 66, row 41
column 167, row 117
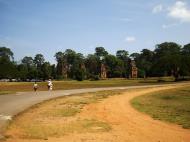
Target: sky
column 29, row 27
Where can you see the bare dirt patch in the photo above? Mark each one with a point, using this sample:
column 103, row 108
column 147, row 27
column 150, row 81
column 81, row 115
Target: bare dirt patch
column 99, row 120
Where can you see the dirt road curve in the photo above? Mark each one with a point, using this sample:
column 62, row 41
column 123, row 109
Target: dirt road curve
column 128, row 125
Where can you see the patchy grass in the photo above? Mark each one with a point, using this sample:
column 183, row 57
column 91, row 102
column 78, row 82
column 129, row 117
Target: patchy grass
column 59, row 117
column 44, row 131
column 64, row 112
column 65, row 85
column 171, row 105
column 95, row 126
column 6, row 92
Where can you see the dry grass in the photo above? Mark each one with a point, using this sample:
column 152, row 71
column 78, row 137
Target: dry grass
column 6, row 92
column 59, row 117
column 65, row 85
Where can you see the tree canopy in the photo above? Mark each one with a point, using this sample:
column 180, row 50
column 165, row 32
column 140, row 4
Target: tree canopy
column 167, row 59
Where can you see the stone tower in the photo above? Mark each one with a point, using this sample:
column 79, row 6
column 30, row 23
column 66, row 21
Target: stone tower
column 134, row 70
column 103, row 71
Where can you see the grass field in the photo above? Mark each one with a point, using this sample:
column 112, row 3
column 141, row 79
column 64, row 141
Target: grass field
column 171, row 105
column 59, row 117
column 11, row 87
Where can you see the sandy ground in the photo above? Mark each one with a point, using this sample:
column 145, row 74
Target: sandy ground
column 128, row 125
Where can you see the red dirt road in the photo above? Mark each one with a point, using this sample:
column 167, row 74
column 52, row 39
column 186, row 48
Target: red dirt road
column 128, row 125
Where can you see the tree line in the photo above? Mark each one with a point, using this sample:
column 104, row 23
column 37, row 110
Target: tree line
column 167, row 59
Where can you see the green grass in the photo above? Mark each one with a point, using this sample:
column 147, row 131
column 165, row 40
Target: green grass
column 171, row 105
column 65, row 85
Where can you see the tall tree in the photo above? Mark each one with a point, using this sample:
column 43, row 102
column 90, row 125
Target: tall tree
column 135, row 56
column 60, row 63
column 185, row 60
column 145, row 61
column 22, row 72
column 167, row 59
column 7, row 66
column 123, row 56
column 28, row 61
column 92, row 64
column 100, row 51
column 32, row 70
column 46, row 70
column 6, row 53
column 39, row 60
column 115, row 66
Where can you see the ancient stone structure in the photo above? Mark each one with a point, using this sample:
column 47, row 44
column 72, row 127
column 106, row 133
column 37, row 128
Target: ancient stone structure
column 134, row 70
column 65, row 70
column 103, row 71
column 82, row 66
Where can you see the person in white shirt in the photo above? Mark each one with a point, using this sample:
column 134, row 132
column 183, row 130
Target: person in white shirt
column 35, row 86
column 50, row 85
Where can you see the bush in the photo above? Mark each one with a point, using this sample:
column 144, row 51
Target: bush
column 79, row 75
column 60, row 77
column 94, row 77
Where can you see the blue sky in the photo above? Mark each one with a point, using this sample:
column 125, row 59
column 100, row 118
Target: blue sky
column 29, row 27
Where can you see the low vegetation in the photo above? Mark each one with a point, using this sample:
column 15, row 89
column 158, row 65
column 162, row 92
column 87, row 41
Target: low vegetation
column 6, row 92
column 7, row 87
column 171, row 105
column 59, row 117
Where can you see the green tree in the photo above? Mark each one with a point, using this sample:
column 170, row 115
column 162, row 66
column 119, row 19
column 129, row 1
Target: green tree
column 186, row 49
column 100, row 51
column 69, row 62
column 46, row 70
column 92, row 64
column 7, row 66
column 39, row 60
column 115, row 66
column 53, row 71
column 124, row 56
column 167, row 59
column 6, row 53
column 28, row 61
column 32, row 70
column 185, row 60
column 60, row 63
column 135, row 56
column 22, row 72
column 145, row 62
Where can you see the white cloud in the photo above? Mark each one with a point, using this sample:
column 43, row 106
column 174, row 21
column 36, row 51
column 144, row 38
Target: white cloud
column 130, row 39
column 157, row 8
column 179, row 11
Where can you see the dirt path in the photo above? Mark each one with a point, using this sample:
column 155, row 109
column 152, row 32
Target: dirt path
column 128, row 125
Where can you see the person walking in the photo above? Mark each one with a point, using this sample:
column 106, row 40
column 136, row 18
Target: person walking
column 35, row 86
column 50, row 85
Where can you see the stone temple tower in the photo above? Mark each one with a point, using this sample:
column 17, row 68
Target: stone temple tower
column 134, row 70
column 103, row 71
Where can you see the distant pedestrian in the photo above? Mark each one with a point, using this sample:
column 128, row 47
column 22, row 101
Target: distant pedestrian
column 50, row 85
column 35, row 86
